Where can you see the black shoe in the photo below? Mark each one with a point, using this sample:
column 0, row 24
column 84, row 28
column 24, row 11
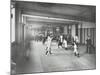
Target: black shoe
column 50, row 52
column 78, row 55
column 66, row 49
column 75, row 54
column 46, row 52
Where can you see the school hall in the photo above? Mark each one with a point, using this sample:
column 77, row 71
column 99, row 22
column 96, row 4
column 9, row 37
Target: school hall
column 32, row 21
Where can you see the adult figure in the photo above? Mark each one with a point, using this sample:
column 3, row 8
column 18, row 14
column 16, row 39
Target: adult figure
column 88, row 45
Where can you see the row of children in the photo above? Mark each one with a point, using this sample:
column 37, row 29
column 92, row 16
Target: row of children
column 63, row 43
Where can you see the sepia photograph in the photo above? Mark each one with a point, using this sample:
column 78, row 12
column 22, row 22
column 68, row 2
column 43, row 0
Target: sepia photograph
column 52, row 37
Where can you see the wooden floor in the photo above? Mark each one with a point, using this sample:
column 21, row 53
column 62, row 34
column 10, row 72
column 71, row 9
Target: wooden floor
column 60, row 60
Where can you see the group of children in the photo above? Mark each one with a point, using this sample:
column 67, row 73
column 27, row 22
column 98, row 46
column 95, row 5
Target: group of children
column 63, row 43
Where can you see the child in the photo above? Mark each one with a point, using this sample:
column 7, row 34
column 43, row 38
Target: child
column 65, row 44
column 60, row 41
column 76, row 40
column 44, row 40
column 76, row 50
column 48, row 48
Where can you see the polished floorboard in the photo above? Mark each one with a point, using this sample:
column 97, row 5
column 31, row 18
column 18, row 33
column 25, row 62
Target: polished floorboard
column 59, row 60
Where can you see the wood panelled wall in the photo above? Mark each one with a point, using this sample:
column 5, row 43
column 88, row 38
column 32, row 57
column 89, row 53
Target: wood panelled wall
column 85, row 32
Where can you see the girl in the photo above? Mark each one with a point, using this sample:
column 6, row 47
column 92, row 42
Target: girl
column 48, row 48
column 60, row 41
column 65, row 44
column 76, row 53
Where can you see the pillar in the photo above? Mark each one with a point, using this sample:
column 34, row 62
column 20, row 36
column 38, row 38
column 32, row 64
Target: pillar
column 24, row 28
column 81, row 33
column 76, row 29
column 73, row 30
column 65, row 29
column 18, row 25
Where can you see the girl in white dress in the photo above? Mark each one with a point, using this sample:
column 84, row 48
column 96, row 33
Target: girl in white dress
column 48, row 48
column 65, row 44
column 76, row 50
column 60, row 43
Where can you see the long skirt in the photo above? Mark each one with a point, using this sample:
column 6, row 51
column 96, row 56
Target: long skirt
column 75, row 50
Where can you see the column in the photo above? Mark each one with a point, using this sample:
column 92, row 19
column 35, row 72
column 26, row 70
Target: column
column 24, row 28
column 18, row 22
column 73, row 30
column 81, row 33
column 65, row 29
column 76, row 28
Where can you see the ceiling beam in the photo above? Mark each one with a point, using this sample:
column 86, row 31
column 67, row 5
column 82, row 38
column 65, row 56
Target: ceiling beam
column 53, row 22
column 56, row 15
